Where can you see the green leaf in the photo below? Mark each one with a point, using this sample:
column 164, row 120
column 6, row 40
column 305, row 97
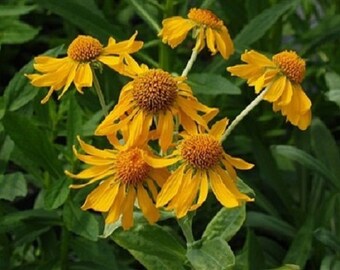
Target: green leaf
column 101, row 253
column 251, row 256
column 86, row 18
column 19, row 91
column 327, row 30
column 330, row 262
column 74, row 122
column 7, row 10
column 301, row 247
column 33, row 142
column 145, row 14
column 214, row 254
column 10, row 221
column 269, row 224
column 5, row 153
column 151, row 244
column 12, row 185
column 57, row 193
column 325, row 147
column 307, row 161
column 80, row 222
column 226, row 223
column 244, row 188
column 14, row 32
column 258, row 26
column 328, row 238
column 333, row 83
column 212, row 84
column 287, row 267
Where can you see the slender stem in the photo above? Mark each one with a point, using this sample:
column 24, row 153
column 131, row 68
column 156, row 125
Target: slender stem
column 186, row 225
column 239, row 118
column 190, row 63
column 65, row 235
column 99, row 92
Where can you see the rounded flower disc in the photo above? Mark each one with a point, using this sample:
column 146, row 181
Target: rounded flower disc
column 59, row 73
column 208, row 30
column 202, row 160
column 124, row 177
column 154, row 98
column 282, row 77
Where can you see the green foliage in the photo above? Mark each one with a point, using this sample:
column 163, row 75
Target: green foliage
column 293, row 222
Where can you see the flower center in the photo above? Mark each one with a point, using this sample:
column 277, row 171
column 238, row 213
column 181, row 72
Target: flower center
column 205, row 17
column 292, row 65
column 131, row 168
column 155, row 90
column 84, row 49
column 202, row 151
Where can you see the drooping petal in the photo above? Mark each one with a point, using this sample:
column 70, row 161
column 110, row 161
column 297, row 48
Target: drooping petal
column 223, row 195
column 102, row 197
column 117, row 206
column 127, row 218
column 147, row 206
column 171, row 187
column 83, row 77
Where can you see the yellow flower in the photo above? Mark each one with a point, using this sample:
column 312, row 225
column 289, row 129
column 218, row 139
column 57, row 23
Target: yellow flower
column 282, row 76
column 154, row 97
column 59, row 73
column 202, row 160
column 207, row 29
column 124, row 176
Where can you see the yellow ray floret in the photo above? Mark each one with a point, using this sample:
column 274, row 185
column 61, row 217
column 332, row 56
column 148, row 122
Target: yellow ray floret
column 124, row 177
column 282, row 76
column 154, row 98
column 208, row 30
column 202, row 163
column 59, row 73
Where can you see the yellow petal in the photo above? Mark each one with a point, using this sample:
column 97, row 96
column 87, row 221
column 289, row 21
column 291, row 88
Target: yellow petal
column 286, row 96
column 189, row 195
column 117, row 206
column 170, row 187
column 94, row 171
column 155, row 162
column 167, row 130
column 147, row 206
column 89, row 149
column 255, row 58
column 276, row 89
column 175, row 30
column 224, row 43
column 218, row 128
column 83, row 77
column 127, row 219
column 211, row 40
column 238, row 162
column 223, row 195
column 231, row 185
column 102, row 197
column 203, row 192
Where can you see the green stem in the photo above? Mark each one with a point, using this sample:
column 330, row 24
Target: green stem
column 65, row 235
column 239, row 118
column 190, row 63
column 186, row 225
column 99, row 92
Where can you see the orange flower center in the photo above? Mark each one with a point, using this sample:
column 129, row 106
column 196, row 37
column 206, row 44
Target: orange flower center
column 84, row 49
column 205, row 17
column 202, row 151
column 131, row 167
column 291, row 65
column 155, row 90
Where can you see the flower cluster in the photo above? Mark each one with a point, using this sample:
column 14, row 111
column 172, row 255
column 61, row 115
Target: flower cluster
column 158, row 106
